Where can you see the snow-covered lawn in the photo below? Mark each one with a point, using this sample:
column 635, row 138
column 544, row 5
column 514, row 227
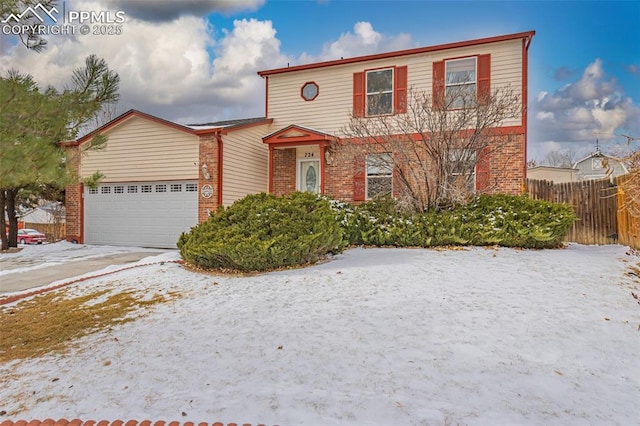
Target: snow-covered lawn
column 372, row 337
column 32, row 257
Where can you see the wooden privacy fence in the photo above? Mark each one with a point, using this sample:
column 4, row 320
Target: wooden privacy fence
column 53, row 231
column 599, row 205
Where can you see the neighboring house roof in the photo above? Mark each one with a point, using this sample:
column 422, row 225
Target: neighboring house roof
column 46, row 213
column 551, row 173
column 599, row 166
column 552, row 168
column 524, row 35
column 196, row 129
column 598, row 154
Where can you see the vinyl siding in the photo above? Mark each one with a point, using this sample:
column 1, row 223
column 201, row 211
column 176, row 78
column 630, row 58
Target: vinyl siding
column 140, row 150
column 587, row 171
column 245, row 163
column 329, row 112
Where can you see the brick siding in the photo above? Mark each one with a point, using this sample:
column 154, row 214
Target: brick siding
column 507, row 166
column 73, row 197
column 208, row 154
column 506, row 170
column 284, row 171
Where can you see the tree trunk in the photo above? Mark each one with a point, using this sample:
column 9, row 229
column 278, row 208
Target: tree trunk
column 3, row 221
column 13, row 217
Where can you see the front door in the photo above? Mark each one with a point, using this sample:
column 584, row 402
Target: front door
column 309, row 176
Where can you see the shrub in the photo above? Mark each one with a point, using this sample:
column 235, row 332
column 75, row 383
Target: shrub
column 517, row 221
column 262, row 232
column 379, row 222
column 506, row 220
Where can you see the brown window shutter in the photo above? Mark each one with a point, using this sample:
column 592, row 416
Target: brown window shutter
column 359, row 177
column 400, row 94
column 438, row 85
column 484, row 78
column 358, row 94
column 396, row 183
column 483, row 168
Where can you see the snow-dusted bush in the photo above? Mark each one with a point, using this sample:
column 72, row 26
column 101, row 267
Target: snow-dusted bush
column 516, row 221
column 262, row 232
column 512, row 221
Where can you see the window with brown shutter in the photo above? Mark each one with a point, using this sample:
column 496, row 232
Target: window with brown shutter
column 359, row 180
column 484, row 78
column 461, row 82
column 380, row 92
column 358, row 94
column 483, row 171
column 401, row 90
column 438, row 85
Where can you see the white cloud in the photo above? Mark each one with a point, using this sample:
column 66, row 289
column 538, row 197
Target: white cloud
column 174, row 69
column 364, row 40
column 593, row 107
column 545, row 116
column 172, row 64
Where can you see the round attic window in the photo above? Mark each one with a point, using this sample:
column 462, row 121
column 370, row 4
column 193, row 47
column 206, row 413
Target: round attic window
column 309, row 91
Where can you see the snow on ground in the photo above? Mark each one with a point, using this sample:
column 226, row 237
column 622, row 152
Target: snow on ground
column 372, row 337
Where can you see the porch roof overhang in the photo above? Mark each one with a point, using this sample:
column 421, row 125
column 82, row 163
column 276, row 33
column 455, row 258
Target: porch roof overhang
column 294, row 135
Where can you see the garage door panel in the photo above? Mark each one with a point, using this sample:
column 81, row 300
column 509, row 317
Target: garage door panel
column 149, row 214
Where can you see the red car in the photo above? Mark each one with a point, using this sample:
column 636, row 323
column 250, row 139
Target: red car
column 30, row 236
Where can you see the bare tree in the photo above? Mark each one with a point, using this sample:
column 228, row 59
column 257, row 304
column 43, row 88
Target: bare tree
column 560, row 158
column 440, row 147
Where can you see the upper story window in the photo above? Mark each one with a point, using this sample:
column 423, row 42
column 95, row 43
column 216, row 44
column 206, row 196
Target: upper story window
column 309, row 91
column 460, row 82
column 380, row 92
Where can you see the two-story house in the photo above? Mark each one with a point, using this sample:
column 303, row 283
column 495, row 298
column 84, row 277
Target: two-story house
column 310, row 106
column 159, row 177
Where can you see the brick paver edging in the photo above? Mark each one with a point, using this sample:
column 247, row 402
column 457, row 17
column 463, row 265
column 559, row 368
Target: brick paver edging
column 10, row 299
column 78, row 422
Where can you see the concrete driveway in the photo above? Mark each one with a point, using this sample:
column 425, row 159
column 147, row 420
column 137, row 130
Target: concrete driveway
column 42, row 265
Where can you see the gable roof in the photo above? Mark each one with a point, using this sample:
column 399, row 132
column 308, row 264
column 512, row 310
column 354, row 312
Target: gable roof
column 127, row 116
column 527, row 36
column 294, row 134
column 229, row 125
column 599, row 154
column 194, row 129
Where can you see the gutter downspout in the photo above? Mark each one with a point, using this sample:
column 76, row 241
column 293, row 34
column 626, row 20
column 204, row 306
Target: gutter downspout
column 270, row 169
column 525, row 103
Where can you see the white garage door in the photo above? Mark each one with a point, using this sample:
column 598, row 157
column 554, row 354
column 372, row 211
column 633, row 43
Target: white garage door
column 149, row 214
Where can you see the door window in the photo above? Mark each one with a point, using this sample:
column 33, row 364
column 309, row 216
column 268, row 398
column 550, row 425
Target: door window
column 309, row 176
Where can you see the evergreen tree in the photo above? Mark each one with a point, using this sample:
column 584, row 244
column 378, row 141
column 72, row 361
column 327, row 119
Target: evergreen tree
column 32, row 123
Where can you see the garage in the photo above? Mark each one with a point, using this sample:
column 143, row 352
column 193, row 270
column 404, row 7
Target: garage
column 143, row 214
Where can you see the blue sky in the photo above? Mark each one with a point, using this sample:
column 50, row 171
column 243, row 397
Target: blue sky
column 195, row 61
